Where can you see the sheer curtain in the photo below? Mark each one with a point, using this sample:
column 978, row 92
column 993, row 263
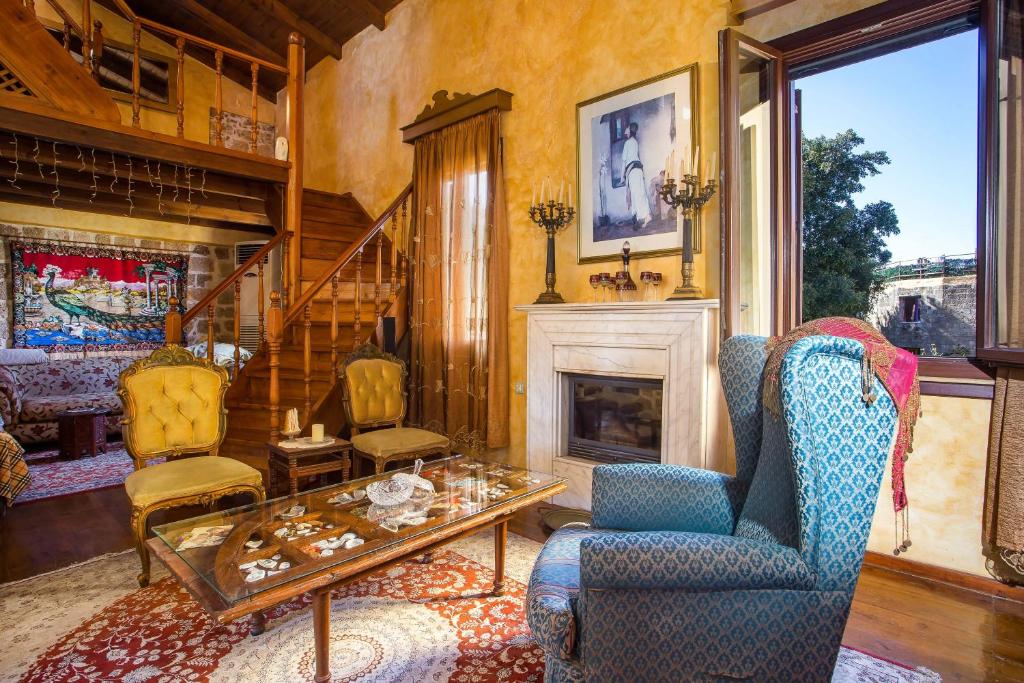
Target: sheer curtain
column 458, row 382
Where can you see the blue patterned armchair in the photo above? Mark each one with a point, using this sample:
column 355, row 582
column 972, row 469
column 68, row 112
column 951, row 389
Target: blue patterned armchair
column 692, row 575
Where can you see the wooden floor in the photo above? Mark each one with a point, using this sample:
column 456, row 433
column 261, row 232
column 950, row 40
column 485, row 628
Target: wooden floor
column 962, row 634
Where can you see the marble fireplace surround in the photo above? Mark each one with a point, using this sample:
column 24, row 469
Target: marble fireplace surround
column 674, row 341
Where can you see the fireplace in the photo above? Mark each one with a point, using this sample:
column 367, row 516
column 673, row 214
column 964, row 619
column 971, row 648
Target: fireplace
column 614, row 419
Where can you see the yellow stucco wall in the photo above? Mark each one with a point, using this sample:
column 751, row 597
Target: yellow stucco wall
column 551, row 55
column 199, row 80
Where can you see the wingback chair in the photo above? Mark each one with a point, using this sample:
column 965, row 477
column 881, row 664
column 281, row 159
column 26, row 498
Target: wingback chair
column 690, row 575
column 174, row 406
column 373, row 391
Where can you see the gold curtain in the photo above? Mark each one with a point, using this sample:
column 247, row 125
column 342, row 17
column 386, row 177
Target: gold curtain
column 458, row 382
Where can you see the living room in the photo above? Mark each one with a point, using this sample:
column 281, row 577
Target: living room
column 441, row 340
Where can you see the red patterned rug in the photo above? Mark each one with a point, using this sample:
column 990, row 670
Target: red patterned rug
column 51, row 477
column 410, row 623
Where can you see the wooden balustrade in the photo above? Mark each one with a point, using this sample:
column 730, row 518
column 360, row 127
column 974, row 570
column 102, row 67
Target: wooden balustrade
column 377, row 281
column 97, row 49
column 307, row 361
column 357, row 301
column 238, row 325
column 180, row 45
column 218, row 98
column 172, row 322
column 259, row 304
column 275, row 334
column 334, row 321
column 211, row 338
column 86, row 34
column 136, row 72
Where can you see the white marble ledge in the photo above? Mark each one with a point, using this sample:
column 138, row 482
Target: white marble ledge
column 624, row 306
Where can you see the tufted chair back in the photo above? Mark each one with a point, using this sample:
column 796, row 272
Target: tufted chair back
column 173, row 405
column 373, row 388
column 822, row 461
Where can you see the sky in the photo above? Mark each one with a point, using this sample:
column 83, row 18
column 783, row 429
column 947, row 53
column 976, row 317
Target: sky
column 920, row 106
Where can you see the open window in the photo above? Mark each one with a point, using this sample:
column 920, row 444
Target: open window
column 934, row 303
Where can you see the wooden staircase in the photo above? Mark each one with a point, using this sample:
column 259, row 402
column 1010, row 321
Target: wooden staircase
column 342, row 252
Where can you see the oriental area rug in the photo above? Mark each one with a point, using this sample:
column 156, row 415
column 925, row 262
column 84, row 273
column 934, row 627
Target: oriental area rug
column 51, row 478
column 412, row 622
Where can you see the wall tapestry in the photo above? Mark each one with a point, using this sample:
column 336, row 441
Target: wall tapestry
column 74, row 297
column 624, row 142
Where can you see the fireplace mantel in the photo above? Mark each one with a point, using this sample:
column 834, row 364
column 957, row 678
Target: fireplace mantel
column 675, row 341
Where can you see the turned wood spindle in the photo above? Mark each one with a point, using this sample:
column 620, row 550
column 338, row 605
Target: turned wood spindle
column 136, row 72
column 307, row 360
column 377, row 283
column 286, row 268
column 334, row 323
column 218, row 98
column 357, row 301
column 238, row 327
column 172, row 322
column 254, row 134
column 97, row 48
column 275, row 322
column 87, row 35
column 394, row 256
column 259, row 303
column 67, row 37
column 180, row 44
column 209, row 332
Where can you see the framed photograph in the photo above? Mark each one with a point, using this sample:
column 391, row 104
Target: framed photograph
column 624, row 140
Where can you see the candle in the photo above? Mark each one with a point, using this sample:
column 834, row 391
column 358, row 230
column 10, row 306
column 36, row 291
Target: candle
column 570, row 195
column 533, row 198
column 542, row 189
column 561, row 191
column 684, row 162
column 714, row 166
column 696, row 161
column 317, row 432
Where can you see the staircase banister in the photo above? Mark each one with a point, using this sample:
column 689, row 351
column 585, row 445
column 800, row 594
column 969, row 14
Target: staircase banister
column 213, row 294
column 296, row 308
column 65, row 16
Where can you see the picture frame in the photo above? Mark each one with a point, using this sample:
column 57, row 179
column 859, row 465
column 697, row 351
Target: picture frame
column 624, row 140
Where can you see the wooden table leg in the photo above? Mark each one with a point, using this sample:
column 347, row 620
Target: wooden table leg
column 322, row 635
column 258, row 624
column 500, row 537
column 293, row 477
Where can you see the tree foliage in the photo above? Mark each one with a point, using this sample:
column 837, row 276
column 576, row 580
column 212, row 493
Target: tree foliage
column 843, row 245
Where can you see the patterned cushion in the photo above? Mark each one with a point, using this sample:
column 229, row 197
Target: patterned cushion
column 45, row 408
column 643, row 497
column 741, row 365
column 691, row 562
column 67, row 377
column 554, row 584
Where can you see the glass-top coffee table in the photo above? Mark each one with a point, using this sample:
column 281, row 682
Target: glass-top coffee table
column 245, row 560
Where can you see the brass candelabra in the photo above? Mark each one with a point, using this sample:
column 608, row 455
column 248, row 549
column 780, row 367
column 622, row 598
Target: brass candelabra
column 689, row 197
column 553, row 217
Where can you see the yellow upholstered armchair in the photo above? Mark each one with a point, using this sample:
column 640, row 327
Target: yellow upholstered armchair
column 174, row 406
column 373, row 391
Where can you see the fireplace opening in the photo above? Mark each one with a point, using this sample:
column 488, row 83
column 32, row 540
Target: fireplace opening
column 614, row 419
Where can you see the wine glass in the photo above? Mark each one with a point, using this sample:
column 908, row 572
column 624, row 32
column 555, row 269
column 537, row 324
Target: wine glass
column 621, row 278
column 606, row 284
column 656, row 283
column 595, row 282
column 646, row 277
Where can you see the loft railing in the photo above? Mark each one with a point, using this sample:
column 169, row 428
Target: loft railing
column 92, row 53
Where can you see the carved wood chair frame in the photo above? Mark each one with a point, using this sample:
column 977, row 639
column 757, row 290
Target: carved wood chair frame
column 370, row 351
column 169, row 356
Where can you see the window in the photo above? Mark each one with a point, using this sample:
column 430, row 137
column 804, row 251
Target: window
column 929, row 289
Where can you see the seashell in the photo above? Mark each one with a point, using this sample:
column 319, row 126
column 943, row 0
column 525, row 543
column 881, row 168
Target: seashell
column 276, row 557
column 284, row 565
column 253, row 544
column 327, row 552
column 303, row 525
column 293, row 511
column 266, row 564
column 247, row 566
column 340, row 499
column 329, row 526
column 501, row 486
column 388, row 492
column 348, row 536
column 354, row 543
column 255, row 575
column 271, row 573
column 283, row 531
column 359, row 494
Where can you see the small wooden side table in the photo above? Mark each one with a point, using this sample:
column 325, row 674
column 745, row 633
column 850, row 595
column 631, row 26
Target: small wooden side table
column 335, row 456
column 82, row 431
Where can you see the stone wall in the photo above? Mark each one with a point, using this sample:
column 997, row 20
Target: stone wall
column 948, row 315
column 208, row 264
column 236, row 131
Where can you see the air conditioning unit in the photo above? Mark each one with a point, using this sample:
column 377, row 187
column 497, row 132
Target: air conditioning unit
column 249, row 319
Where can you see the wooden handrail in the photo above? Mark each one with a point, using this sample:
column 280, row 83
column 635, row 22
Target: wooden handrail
column 213, row 294
column 65, row 16
column 163, row 28
column 296, row 308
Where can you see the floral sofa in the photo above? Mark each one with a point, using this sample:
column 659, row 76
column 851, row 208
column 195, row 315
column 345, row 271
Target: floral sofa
column 32, row 395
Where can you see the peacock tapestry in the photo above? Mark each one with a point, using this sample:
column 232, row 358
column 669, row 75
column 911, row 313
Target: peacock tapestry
column 73, row 297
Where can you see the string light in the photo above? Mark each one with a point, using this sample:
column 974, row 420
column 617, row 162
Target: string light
column 202, row 188
column 81, row 157
column 160, row 190
column 188, row 207
column 131, row 169
column 14, row 181
column 35, row 158
column 113, row 165
column 149, row 173
column 56, row 177
column 95, row 178
column 175, row 183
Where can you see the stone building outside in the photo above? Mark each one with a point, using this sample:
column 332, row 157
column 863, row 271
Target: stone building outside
column 929, row 305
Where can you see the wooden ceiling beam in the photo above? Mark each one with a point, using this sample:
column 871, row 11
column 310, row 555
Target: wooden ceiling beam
column 296, row 22
column 370, row 12
column 232, row 33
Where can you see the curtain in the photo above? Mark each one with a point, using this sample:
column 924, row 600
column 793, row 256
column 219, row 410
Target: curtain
column 1003, row 523
column 458, row 383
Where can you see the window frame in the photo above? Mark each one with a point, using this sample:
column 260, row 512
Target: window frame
column 869, row 33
